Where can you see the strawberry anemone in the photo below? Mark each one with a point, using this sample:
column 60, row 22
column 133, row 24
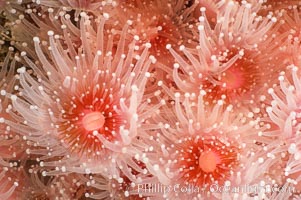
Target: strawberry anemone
column 229, row 59
column 205, row 144
column 88, row 98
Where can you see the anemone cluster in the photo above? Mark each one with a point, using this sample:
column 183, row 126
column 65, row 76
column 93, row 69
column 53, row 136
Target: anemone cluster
column 150, row 99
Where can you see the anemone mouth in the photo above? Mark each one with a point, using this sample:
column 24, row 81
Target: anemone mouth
column 208, row 161
column 85, row 118
column 203, row 161
column 93, row 121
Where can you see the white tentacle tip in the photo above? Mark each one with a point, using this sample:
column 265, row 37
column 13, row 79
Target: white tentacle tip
column 83, row 14
column 294, row 68
column 36, row 39
column 281, row 78
column 3, row 92
column 230, row 108
column 134, row 88
column 271, row 91
column 23, row 53
column 201, row 27
column 50, row 33
column 136, row 38
column 148, row 45
column 135, row 117
column 156, row 167
column 176, row 66
column 129, row 22
column 13, row 97
column 106, row 15
column 203, row 92
column 21, row 70
column 202, row 9
column 231, row 3
column 269, row 109
column 241, row 52
column 153, row 59
column 274, row 19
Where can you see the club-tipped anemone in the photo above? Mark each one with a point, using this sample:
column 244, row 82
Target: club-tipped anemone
column 204, row 144
column 228, row 61
column 87, row 98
